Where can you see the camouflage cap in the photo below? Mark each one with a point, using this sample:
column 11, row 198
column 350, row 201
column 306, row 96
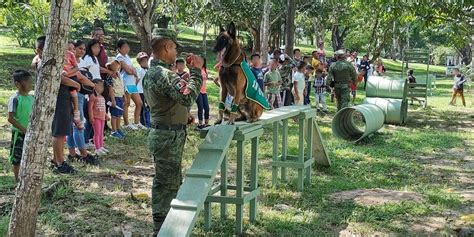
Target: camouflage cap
column 340, row 52
column 162, row 33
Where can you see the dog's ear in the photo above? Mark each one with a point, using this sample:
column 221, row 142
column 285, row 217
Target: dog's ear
column 221, row 28
column 231, row 30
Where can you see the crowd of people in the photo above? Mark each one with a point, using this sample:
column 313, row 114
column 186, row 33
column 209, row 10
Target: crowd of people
column 97, row 87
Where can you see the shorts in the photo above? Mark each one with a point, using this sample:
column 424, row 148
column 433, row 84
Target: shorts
column 353, row 92
column 16, row 147
column 117, row 113
column 62, row 117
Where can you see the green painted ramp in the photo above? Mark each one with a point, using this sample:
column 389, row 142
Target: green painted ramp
column 193, row 192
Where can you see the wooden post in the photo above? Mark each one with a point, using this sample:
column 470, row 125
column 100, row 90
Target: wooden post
column 284, row 148
column 224, row 186
column 254, row 178
column 207, row 216
column 239, row 208
column 301, row 152
column 309, row 142
column 275, row 153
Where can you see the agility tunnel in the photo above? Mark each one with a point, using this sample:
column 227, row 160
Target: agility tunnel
column 385, row 103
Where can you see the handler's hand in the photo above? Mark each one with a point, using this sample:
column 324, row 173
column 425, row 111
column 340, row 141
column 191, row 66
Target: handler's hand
column 195, row 61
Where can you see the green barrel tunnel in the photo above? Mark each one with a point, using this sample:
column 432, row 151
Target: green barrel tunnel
column 344, row 124
column 386, row 87
column 395, row 110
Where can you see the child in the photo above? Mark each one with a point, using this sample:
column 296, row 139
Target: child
column 180, row 70
column 299, row 84
column 202, row 100
column 458, row 87
column 130, row 80
column 353, row 87
column 19, row 109
column 97, row 116
column 320, row 88
column 273, row 82
column 40, row 41
column 411, row 80
column 142, row 59
column 308, row 76
column 71, row 70
column 116, row 92
column 257, row 69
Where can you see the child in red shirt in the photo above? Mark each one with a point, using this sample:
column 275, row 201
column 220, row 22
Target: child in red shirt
column 71, row 70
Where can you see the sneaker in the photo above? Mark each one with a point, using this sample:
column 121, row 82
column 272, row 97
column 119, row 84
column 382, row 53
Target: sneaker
column 100, row 152
column 106, row 151
column 140, row 126
column 117, row 135
column 121, row 133
column 65, row 168
column 73, row 158
column 90, row 146
column 130, row 127
column 90, row 160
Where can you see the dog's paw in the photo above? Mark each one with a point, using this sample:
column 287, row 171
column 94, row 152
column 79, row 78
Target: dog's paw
column 218, row 122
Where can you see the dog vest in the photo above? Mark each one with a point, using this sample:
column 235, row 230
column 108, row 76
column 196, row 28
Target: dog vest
column 252, row 90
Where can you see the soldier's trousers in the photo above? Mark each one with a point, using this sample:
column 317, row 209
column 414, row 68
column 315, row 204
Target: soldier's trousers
column 167, row 149
column 342, row 96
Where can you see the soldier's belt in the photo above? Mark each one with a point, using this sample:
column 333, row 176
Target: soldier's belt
column 172, row 127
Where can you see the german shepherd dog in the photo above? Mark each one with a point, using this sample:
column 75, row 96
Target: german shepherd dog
column 231, row 76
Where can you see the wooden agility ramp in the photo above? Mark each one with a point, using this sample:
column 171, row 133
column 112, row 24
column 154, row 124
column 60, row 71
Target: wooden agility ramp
column 198, row 192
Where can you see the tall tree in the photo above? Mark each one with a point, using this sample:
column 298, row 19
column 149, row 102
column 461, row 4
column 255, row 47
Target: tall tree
column 141, row 14
column 290, row 27
column 265, row 31
column 37, row 140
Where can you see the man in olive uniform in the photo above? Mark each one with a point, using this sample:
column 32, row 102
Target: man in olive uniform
column 340, row 73
column 286, row 72
column 169, row 97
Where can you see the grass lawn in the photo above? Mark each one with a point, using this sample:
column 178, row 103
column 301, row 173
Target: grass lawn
column 431, row 158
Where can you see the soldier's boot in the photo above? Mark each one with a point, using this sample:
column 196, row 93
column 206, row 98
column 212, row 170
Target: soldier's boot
column 157, row 222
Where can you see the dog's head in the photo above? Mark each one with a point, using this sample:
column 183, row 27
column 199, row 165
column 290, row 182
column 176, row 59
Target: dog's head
column 226, row 38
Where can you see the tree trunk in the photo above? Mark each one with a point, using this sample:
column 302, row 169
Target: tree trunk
column 256, row 39
column 290, row 27
column 394, row 47
column 141, row 16
column 337, row 39
column 204, row 41
column 265, row 30
column 466, row 54
column 38, row 135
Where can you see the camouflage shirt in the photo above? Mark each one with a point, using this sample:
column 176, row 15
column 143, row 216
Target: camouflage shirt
column 342, row 72
column 286, row 72
column 168, row 95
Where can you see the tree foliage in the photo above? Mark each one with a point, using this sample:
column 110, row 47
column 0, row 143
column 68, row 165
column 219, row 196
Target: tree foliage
column 29, row 20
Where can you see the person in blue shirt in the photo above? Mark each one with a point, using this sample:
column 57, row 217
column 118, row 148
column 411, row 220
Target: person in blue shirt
column 256, row 67
column 365, row 64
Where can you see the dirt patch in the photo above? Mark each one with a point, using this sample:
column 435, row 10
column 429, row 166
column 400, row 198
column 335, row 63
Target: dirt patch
column 370, row 197
column 429, row 225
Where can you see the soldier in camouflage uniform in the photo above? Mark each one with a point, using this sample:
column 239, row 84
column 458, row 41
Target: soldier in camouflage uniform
column 168, row 97
column 286, row 71
column 340, row 73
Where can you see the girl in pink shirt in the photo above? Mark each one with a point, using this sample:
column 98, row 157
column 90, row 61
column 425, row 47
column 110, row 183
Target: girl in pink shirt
column 202, row 101
column 97, row 116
